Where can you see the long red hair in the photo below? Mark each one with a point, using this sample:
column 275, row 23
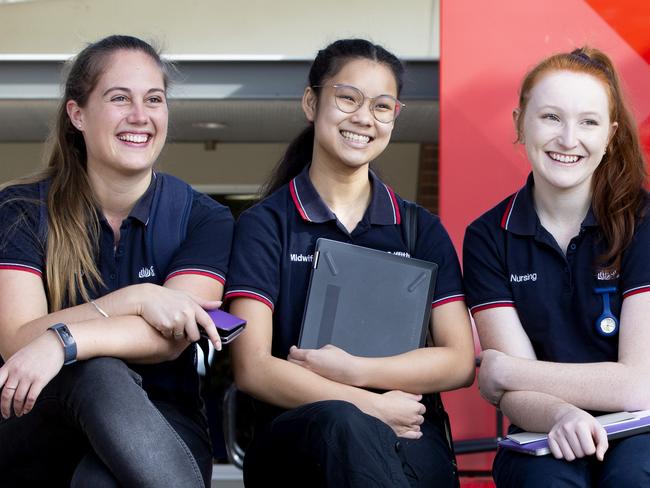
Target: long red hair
column 617, row 185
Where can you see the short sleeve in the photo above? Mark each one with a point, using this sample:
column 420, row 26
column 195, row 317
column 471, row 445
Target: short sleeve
column 484, row 267
column 635, row 263
column 434, row 244
column 256, row 257
column 21, row 245
column 208, row 242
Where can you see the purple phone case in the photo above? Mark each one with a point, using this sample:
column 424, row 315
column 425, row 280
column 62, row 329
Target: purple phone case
column 228, row 325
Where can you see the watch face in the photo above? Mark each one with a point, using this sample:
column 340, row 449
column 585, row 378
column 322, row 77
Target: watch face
column 608, row 325
column 65, row 335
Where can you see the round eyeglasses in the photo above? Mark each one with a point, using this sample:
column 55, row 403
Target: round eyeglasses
column 349, row 99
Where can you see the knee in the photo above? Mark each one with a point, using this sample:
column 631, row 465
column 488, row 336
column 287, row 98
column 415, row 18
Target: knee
column 103, row 372
column 343, row 422
column 629, row 475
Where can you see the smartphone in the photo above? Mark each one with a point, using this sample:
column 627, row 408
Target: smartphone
column 228, row 325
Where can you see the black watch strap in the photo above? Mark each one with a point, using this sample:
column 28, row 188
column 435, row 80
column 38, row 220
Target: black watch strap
column 69, row 345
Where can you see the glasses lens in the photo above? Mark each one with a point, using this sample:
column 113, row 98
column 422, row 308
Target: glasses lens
column 385, row 108
column 348, row 98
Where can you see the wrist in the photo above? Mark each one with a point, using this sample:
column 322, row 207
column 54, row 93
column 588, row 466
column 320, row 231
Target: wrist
column 67, row 342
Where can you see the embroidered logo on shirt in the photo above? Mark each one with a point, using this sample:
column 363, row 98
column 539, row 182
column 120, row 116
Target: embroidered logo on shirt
column 301, row 258
column 523, row 277
column 146, row 272
column 607, row 275
column 400, row 253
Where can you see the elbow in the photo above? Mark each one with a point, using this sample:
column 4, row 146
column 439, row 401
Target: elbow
column 246, row 376
column 636, row 397
column 467, row 374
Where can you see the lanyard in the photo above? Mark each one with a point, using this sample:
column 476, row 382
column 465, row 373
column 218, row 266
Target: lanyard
column 606, row 323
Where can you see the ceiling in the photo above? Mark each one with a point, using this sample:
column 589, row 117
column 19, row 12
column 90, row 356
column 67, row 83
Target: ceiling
column 251, row 100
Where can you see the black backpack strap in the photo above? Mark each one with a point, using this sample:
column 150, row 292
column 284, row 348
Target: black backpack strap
column 167, row 229
column 167, row 226
column 432, row 401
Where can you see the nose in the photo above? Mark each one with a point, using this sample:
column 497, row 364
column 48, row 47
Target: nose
column 137, row 113
column 568, row 136
column 363, row 115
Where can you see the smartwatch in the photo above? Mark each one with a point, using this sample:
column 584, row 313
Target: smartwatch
column 69, row 345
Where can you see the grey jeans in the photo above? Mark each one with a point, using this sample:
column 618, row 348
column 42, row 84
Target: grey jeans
column 94, row 425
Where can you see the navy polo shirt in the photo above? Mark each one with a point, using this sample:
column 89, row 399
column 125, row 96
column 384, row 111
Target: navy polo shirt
column 275, row 241
column 510, row 260
column 205, row 251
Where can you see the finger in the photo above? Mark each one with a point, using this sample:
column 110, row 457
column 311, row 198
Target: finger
column 567, row 453
column 586, row 441
column 296, row 353
column 5, row 400
column 602, row 443
column 32, row 396
column 204, row 320
column 411, row 434
column 191, row 331
column 203, row 303
column 419, row 420
column 574, row 443
column 411, row 396
column 555, row 448
column 4, row 374
column 296, row 361
column 19, row 397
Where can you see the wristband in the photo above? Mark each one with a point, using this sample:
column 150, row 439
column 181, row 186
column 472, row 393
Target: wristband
column 69, row 345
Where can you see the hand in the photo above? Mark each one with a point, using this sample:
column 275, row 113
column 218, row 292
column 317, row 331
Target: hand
column 402, row 411
column 177, row 314
column 490, row 372
column 25, row 374
column 577, row 434
column 329, row 361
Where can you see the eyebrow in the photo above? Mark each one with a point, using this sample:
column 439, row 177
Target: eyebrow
column 128, row 90
column 558, row 109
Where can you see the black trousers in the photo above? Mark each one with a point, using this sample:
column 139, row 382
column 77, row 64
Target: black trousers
column 626, row 465
column 333, row 443
column 94, row 426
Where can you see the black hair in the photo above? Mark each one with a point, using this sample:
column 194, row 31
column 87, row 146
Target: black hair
column 328, row 62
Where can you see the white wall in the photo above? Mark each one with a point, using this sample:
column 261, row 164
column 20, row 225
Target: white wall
column 293, row 28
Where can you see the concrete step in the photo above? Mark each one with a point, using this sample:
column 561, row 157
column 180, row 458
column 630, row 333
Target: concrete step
column 226, row 476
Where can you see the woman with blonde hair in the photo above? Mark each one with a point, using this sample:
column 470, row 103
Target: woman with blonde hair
column 106, row 268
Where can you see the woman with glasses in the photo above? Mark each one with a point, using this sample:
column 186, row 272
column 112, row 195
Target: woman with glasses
column 103, row 293
column 325, row 417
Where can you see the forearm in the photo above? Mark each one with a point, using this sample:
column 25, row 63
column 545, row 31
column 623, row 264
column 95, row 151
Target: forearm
column 605, row 386
column 129, row 338
column 419, row 371
column 117, row 303
column 286, row 385
column 532, row 411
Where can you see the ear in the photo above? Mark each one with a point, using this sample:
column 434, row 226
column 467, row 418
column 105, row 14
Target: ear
column 75, row 114
column 516, row 113
column 612, row 131
column 309, row 102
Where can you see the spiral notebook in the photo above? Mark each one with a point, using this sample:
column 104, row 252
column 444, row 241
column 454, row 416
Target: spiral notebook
column 367, row 302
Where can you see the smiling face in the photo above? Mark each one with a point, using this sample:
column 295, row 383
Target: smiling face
column 124, row 122
column 350, row 140
column 566, row 128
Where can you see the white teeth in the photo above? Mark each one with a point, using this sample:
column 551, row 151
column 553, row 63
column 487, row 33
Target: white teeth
column 563, row 158
column 137, row 138
column 351, row 136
